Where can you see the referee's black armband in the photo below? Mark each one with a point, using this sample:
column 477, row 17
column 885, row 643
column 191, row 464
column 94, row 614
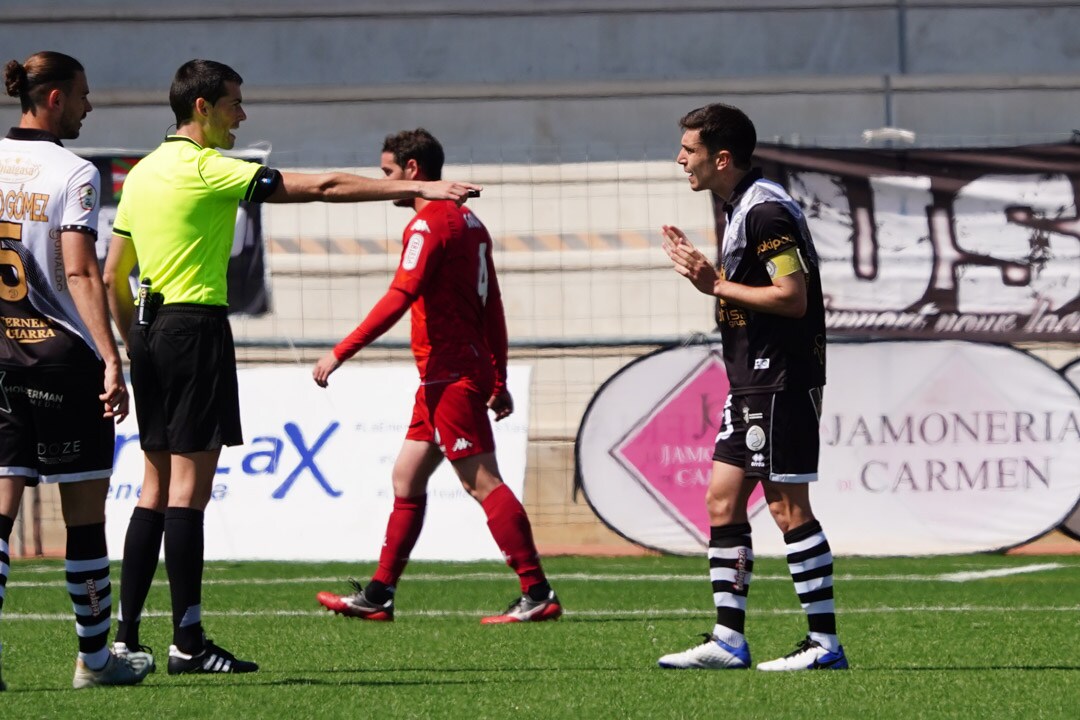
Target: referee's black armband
column 263, row 185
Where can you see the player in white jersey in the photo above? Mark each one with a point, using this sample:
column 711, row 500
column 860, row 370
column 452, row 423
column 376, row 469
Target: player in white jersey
column 61, row 380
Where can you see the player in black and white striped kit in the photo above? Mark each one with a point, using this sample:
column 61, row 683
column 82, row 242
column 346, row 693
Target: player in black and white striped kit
column 772, row 326
column 61, row 381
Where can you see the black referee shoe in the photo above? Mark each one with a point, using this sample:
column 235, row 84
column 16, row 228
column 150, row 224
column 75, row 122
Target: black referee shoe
column 212, row 659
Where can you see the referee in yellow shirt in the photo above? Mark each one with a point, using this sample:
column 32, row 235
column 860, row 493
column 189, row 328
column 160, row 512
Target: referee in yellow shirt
column 176, row 219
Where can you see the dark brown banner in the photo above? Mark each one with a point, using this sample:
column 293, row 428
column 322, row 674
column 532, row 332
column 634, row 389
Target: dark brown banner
column 979, row 244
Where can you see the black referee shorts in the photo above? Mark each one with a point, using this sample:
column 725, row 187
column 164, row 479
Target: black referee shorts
column 183, row 371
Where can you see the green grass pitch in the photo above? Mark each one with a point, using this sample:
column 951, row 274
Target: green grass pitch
column 981, row 637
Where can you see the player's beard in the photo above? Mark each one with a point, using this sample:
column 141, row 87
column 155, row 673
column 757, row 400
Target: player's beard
column 70, row 127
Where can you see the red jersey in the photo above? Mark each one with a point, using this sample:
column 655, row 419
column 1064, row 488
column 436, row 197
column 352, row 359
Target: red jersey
column 447, row 275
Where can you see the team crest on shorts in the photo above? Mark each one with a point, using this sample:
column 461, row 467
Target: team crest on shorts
column 755, row 438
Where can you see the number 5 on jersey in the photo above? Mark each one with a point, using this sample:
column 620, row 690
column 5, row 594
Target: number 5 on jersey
column 12, row 274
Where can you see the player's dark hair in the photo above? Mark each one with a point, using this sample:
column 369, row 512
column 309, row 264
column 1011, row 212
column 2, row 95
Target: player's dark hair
column 199, row 79
column 43, row 72
column 418, row 145
column 723, row 127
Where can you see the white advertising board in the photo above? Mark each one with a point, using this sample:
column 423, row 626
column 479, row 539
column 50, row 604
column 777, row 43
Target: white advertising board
column 927, row 447
column 312, row 480
column 1071, row 524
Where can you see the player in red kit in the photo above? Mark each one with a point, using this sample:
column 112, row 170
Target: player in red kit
column 447, row 277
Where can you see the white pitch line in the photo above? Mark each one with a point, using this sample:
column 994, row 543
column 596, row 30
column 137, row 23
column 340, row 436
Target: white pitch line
column 657, row 613
column 701, row 577
column 996, row 573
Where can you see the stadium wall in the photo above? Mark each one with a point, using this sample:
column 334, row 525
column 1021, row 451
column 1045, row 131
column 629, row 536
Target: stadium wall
column 562, row 81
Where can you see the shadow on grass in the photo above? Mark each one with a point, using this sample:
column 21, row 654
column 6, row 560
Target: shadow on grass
column 303, row 682
column 965, row 668
column 472, row 670
column 202, row 687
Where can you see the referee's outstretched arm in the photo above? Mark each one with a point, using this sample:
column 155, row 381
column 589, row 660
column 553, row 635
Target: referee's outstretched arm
column 345, row 187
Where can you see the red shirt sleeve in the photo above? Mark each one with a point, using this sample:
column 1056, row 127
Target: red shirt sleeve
column 424, row 240
column 381, row 318
column 495, row 326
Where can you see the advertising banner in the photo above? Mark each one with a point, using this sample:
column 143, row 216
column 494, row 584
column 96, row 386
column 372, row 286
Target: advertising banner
column 926, row 448
column 980, row 244
column 1071, row 526
column 313, row 478
column 248, row 292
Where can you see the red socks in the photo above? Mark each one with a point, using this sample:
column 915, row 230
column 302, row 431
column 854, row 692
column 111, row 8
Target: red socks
column 510, row 527
column 402, row 530
column 506, row 519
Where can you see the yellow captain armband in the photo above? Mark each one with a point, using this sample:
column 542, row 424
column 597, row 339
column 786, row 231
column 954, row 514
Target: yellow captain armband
column 785, row 263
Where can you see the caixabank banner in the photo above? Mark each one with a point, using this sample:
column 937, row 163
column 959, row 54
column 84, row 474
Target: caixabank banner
column 978, row 244
column 926, row 448
column 312, row 480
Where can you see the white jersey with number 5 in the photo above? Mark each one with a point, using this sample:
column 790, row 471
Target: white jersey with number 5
column 45, row 190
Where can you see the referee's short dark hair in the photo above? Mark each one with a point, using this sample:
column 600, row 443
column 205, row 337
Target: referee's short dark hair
column 199, row 79
column 724, row 127
column 418, row 145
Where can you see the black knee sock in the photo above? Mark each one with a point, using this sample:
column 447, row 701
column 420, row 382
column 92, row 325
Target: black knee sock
column 86, row 565
column 731, row 567
column 184, row 564
column 811, row 563
column 6, row 526
column 142, row 546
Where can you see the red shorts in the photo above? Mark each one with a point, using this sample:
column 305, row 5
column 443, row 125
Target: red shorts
column 454, row 416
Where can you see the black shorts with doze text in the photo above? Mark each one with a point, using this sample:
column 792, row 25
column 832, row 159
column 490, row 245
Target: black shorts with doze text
column 52, row 424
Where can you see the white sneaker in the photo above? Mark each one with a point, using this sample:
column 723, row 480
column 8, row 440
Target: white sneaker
column 713, row 654
column 117, row 671
column 808, row 655
column 138, row 656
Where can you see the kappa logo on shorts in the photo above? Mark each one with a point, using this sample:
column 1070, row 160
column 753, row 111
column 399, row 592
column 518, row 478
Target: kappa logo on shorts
column 461, row 444
column 755, row 438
